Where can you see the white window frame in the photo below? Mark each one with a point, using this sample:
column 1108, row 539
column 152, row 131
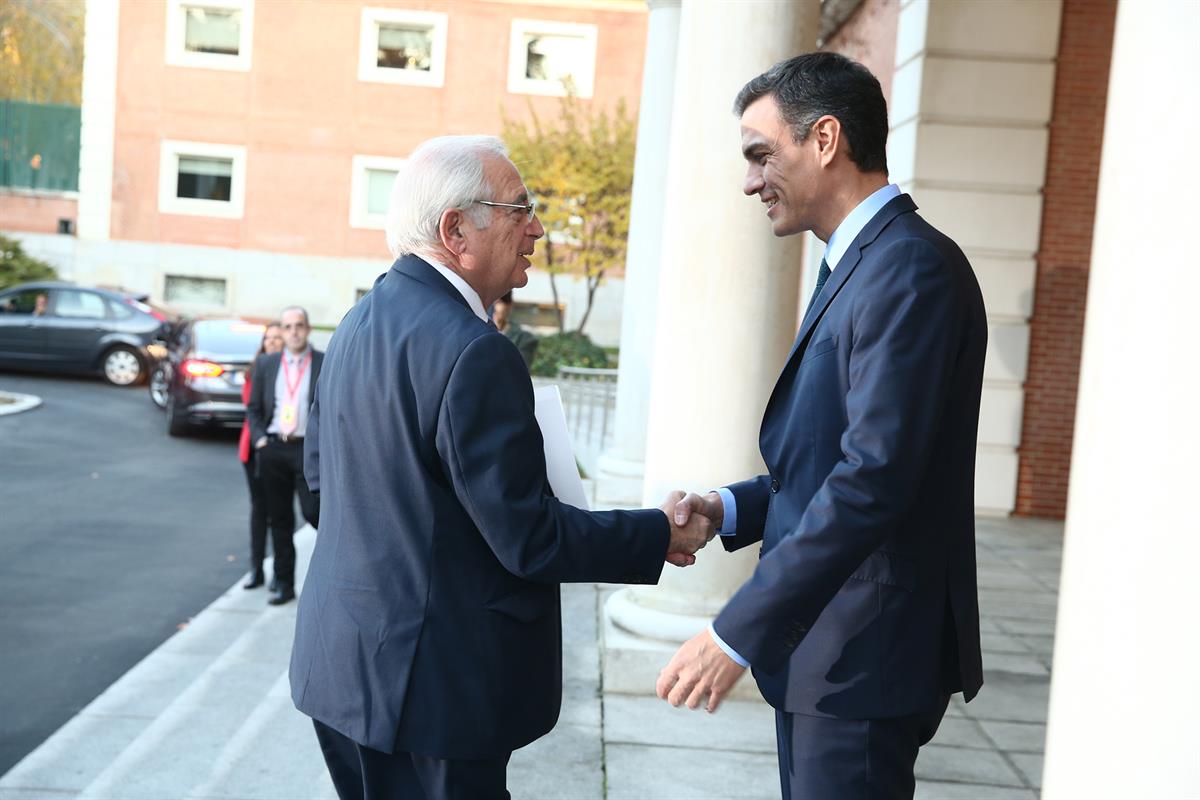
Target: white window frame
column 368, row 46
column 180, row 56
column 359, row 216
column 168, row 180
column 519, row 84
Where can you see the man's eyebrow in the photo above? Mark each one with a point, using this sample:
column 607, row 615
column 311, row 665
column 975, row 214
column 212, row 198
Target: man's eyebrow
column 754, row 147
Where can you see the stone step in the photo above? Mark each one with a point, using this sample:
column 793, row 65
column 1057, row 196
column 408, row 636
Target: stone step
column 238, row 628
column 273, row 755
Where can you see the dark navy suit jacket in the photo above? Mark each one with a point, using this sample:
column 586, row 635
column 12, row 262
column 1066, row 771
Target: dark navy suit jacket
column 429, row 620
column 864, row 603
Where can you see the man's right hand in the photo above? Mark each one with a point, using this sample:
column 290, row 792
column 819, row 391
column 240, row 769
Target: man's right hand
column 688, row 536
column 261, row 443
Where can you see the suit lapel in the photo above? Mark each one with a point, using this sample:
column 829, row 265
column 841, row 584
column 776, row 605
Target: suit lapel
column 845, row 268
column 837, row 279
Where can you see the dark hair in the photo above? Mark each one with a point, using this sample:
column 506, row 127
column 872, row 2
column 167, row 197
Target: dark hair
column 813, row 85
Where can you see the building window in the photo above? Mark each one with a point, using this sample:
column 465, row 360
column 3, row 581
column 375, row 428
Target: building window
column 211, row 34
column 201, row 179
column 371, row 190
column 191, row 291
column 398, row 46
column 551, row 58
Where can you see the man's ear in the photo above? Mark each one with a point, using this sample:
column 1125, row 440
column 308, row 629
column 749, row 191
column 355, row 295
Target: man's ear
column 826, row 133
column 450, row 231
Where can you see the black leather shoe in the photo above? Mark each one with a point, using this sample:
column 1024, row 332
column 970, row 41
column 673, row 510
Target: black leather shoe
column 256, row 580
column 273, row 586
column 286, row 594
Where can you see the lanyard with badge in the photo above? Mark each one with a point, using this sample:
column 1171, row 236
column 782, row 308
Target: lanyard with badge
column 289, row 416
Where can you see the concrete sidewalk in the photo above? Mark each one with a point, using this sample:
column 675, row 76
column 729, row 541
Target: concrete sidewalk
column 208, row 716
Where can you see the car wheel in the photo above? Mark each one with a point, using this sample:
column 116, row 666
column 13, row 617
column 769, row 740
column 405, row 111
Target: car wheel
column 123, row 367
column 176, row 424
column 158, row 387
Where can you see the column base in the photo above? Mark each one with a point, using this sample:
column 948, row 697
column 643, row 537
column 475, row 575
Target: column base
column 631, row 661
column 618, row 481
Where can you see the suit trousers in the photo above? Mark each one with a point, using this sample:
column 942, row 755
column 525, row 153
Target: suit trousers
column 360, row 773
column 258, row 513
column 821, row 758
column 281, row 465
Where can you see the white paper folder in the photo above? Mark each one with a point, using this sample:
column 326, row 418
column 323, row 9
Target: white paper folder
column 561, row 468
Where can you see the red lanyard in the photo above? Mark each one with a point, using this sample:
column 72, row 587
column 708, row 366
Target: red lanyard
column 293, row 388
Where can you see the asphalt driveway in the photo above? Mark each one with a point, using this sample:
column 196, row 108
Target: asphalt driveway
column 112, row 534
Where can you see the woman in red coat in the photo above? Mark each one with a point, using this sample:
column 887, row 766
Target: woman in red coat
column 272, row 342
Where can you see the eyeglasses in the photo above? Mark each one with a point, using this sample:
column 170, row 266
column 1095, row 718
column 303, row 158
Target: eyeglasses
column 529, row 208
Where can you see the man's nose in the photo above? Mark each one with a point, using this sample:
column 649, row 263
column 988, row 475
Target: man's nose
column 753, row 182
column 535, row 228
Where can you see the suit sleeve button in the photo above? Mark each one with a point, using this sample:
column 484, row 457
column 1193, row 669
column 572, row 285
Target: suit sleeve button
column 774, row 486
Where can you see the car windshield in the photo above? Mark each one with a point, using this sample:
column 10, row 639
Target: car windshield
column 229, row 340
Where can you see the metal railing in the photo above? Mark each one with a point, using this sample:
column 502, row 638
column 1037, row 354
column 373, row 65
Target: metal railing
column 589, row 400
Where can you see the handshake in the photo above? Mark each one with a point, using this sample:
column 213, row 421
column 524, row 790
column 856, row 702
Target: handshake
column 694, row 521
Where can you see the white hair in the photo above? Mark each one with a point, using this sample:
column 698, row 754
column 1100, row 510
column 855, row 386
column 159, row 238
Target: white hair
column 442, row 173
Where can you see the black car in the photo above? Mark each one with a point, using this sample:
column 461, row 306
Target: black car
column 67, row 328
column 199, row 381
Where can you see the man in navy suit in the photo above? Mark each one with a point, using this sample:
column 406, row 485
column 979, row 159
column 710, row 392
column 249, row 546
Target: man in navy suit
column 861, row 618
column 428, row 636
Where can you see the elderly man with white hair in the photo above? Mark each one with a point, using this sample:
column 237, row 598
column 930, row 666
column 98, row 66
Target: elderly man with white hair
column 428, row 638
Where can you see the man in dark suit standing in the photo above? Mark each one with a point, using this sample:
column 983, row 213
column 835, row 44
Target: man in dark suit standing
column 278, row 413
column 862, row 616
column 428, row 637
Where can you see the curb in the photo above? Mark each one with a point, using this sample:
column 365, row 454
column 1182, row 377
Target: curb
column 22, row 402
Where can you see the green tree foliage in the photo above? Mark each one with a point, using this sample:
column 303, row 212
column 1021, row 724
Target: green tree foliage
column 41, row 51
column 16, row 266
column 580, row 169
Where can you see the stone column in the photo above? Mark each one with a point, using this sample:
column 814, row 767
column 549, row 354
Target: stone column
column 98, row 119
column 621, row 468
column 1124, row 696
column 972, row 97
column 725, row 320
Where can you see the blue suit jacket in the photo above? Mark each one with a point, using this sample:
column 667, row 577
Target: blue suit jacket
column 864, row 603
column 429, row 620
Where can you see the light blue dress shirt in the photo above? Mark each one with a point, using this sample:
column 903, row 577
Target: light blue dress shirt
column 835, row 248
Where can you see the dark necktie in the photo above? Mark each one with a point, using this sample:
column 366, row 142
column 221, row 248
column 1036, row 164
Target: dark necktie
column 822, row 276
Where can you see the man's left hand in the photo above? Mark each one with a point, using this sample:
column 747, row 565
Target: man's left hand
column 700, row 668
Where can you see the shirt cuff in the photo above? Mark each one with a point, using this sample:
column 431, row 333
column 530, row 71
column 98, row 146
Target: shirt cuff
column 729, row 651
column 729, row 521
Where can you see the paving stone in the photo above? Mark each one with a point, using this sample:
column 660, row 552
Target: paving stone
column 1030, row 766
column 936, row 790
column 1011, row 698
column 1027, row 664
column 1001, row 643
column 964, row 765
column 1017, row 609
column 566, row 764
column 739, row 725
column 640, row 772
column 1009, row 578
column 1021, row 737
column 961, row 732
column 1036, row 627
column 35, row 794
column 1042, row 645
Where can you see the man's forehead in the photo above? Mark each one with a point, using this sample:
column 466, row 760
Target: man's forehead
column 506, row 179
